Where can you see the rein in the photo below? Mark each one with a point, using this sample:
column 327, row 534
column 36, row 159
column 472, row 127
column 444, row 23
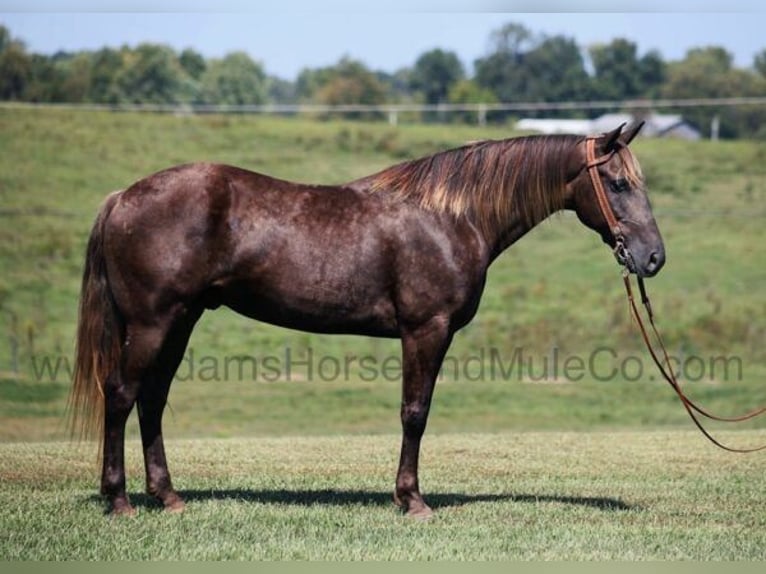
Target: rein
column 624, row 255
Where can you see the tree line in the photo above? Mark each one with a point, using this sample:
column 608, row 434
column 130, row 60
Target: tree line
column 519, row 66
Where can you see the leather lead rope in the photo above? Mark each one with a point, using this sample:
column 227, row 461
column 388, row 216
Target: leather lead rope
column 691, row 408
column 648, row 306
column 671, row 379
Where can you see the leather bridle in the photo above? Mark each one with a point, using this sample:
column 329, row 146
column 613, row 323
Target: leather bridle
column 623, row 255
column 592, row 163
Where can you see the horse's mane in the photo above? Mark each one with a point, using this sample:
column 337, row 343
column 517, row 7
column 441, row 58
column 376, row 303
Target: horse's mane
column 490, row 180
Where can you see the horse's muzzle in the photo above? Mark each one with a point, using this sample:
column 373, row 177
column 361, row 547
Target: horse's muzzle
column 647, row 268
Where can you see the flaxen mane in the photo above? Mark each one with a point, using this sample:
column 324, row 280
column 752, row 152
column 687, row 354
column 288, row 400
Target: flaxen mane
column 631, row 168
column 489, row 180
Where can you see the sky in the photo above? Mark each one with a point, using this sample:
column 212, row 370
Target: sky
column 305, row 34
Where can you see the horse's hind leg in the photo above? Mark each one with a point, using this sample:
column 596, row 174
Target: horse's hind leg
column 120, row 393
column 152, row 399
column 118, row 402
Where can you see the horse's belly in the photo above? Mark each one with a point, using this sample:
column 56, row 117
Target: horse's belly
column 316, row 308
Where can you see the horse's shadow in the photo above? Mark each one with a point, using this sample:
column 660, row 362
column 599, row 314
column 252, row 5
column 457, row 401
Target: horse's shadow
column 331, row 497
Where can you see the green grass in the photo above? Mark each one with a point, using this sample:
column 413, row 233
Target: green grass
column 566, row 496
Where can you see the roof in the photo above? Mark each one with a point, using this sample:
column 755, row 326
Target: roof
column 608, row 122
column 555, row 126
column 656, row 125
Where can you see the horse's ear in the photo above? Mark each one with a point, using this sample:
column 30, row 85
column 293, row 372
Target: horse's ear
column 610, row 138
column 631, row 132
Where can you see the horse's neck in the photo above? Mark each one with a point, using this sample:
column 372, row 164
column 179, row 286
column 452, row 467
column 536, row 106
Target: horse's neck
column 504, row 237
column 508, row 233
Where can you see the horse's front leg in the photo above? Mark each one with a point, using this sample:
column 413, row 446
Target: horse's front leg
column 423, row 349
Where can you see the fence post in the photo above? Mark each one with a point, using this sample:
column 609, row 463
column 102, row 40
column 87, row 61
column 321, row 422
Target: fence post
column 393, row 118
column 715, row 127
column 482, row 113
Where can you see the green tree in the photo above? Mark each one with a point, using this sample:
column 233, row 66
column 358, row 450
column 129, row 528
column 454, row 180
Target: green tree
column 63, row 77
column 555, row 71
column 525, row 67
column 192, row 62
column 15, row 67
column 502, row 70
column 708, row 73
column 351, row 82
column 653, row 71
column 615, row 66
column 469, row 92
column 234, row 80
column 44, row 80
column 619, row 73
column 397, row 85
column 105, row 68
column 348, row 82
column 281, row 91
column 5, row 37
column 434, row 73
column 310, row 81
column 512, row 38
column 759, row 62
column 151, row 74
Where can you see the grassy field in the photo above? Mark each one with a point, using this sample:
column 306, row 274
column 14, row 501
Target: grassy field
column 300, row 464
column 566, row 496
column 556, row 292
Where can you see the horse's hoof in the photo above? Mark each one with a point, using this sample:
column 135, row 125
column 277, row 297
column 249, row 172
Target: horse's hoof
column 422, row 512
column 413, row 508
column 122, row 509
column 175, row 506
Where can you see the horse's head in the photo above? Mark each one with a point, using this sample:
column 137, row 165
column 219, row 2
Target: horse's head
column 625, row 221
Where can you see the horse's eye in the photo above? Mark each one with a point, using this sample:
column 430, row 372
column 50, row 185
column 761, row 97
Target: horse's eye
column 619, row 185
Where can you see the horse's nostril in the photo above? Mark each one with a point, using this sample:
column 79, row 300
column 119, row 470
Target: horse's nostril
column 655, row 262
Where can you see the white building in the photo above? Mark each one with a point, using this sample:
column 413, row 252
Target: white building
column 554, row 126
column 657, row 125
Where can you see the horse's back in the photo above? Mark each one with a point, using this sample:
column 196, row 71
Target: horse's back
column 197, row 227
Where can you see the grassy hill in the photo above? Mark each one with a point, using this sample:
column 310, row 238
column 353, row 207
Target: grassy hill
column 554, row 295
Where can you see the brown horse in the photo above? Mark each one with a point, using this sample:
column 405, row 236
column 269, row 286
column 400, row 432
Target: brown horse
column 402, row 253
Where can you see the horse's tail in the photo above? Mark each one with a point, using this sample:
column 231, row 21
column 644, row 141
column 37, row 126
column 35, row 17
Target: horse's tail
column 100, row 332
